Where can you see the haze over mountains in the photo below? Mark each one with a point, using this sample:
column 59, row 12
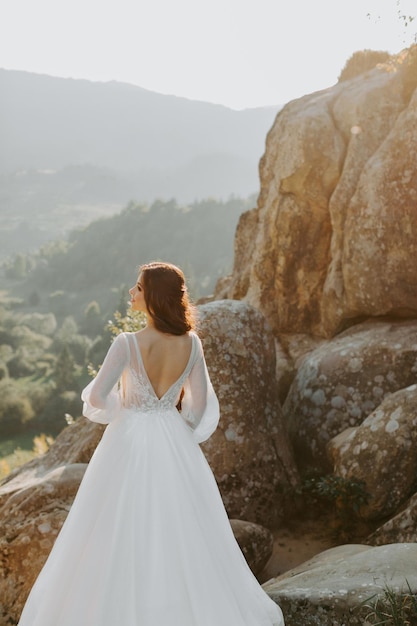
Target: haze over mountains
column 137, row 143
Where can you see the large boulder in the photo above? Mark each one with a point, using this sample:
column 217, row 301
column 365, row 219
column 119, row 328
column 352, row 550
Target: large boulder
column 249, row 453
column 381, row 452
column 333, row 238
column 373, row 212
column 338, row 586
column 402, row 528
column 255, row 541
column 342, row 381
column 31, row 519
column 34, row 502
column 74, row 445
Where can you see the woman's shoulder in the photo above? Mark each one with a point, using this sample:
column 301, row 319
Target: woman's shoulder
column 194, row 335
column 196, row 342
column 122, row 337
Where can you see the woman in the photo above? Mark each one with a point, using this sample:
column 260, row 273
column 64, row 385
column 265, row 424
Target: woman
column 147, row 541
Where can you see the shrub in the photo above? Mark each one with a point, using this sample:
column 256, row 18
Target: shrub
column 65, row 372
column 4, row 372
column 344, row 495
column 21, row 364
column 93, row 323
column 362, row 61
column 15, row 408
column 43, row 324
column 53, row 417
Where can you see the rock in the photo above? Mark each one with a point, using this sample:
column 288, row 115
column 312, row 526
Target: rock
column 34, row 502
column 255, row 541
column 402, row 528
column 281, row 248
column 285, row 371
column 75, row 444
column 290, row 350
column 31, row 519
column 333, row 588
column 341, row 382
column 244, row 251
column 249, row 453
column 381, row 452
column 372, row 210
column 338, row 196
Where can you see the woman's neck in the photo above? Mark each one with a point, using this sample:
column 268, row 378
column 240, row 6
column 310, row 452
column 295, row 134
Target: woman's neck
column 150, row 322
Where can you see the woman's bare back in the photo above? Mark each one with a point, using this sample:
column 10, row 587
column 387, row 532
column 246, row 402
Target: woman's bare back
column 164, row 357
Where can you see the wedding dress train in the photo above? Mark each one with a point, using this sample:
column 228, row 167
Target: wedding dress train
column 147, row 541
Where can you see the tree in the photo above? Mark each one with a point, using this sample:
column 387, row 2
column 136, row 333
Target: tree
column 15, row 409
column 93, row 323
column 4, row 372
column 67, row 331
column 65, row 374
column 18, row 268
column 34, row 298
column 42, row 323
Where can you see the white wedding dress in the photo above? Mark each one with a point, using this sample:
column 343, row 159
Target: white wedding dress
column 147, row 541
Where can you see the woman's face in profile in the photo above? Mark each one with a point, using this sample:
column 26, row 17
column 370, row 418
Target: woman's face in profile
column 137, row 298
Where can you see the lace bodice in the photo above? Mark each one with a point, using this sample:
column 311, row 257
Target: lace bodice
column 136, row 388
column 123, row 384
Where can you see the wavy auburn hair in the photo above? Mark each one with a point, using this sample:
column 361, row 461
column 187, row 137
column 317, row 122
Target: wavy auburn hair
column 166, row 298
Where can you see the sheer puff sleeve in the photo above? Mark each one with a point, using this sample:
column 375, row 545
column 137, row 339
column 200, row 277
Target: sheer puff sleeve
column 101, row 398
column 200, row 407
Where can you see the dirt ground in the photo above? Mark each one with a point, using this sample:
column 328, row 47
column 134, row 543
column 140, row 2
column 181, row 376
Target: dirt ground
column 296, row 543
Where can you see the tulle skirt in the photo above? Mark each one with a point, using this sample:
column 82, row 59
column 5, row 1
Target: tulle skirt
column 147, row 541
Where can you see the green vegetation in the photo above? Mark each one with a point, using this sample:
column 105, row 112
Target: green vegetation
column 55, row 304
column 396, row 608
column 345, row 496
column 21, row 449
column 42, row 369
column 91, row 268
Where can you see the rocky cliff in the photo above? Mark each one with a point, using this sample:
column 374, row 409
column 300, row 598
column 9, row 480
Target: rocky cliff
column 331, row 249
column 333, row 239
column 329, row 256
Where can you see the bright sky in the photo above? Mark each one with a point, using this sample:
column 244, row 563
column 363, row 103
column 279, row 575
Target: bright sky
column 240, row 53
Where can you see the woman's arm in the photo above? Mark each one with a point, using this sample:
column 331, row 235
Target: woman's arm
column 101, row 397
column 200, row 407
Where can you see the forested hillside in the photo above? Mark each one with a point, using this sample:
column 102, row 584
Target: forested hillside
column 74, row 153
column 75, row 150
column 55, row 304
column 105, row 254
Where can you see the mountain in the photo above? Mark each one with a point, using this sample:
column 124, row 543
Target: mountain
column 96, row 260
column 51, row 123
column 74, row 150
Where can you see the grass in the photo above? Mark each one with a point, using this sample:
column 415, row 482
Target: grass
column 20, row 449
column 394, row 608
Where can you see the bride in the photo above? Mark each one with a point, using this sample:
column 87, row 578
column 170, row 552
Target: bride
column 147, row 541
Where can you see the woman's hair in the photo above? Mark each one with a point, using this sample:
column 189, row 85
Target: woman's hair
column 166, row 298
